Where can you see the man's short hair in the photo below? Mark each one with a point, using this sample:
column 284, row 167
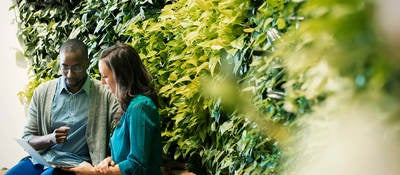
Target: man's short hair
column 73, row 45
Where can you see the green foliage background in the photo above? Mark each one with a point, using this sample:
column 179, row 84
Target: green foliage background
column 232, row 75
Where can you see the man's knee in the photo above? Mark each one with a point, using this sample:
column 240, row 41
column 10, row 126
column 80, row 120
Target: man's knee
column 25, row 166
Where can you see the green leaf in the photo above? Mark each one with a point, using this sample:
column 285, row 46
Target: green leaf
column 74, row 33
column 225, row 126
column 99, row 26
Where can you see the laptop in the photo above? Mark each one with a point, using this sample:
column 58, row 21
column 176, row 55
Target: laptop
column 39, row 159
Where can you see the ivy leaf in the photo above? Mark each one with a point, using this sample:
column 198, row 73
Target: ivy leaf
column 99, row 26
column 74, row 33
column 225, row 126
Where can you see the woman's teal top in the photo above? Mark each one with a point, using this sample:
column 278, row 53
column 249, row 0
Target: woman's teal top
column 136, row 140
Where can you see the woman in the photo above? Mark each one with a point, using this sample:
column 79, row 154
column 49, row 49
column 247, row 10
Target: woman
column 136, row 140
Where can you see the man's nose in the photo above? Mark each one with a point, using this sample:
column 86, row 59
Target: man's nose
column 69, row 73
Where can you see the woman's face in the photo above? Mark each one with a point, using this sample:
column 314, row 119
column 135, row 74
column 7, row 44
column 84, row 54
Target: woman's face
column 107, row 77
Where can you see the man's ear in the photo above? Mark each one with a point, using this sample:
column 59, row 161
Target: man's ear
column 86, row 64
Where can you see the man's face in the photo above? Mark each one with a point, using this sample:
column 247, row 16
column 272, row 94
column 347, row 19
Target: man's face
column 73, row 67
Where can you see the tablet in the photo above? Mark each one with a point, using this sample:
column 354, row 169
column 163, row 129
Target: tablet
column 38, row 158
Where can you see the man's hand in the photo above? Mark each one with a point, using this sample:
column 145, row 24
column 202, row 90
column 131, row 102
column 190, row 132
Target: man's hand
column 60, row 134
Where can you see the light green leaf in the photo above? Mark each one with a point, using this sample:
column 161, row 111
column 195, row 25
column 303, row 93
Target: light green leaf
column 225, row 126
column 75, row 32
column 100, row 25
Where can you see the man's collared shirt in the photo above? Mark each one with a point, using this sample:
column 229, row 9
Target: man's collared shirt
column 70, row 110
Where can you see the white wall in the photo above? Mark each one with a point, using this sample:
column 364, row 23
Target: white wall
column 13, row 77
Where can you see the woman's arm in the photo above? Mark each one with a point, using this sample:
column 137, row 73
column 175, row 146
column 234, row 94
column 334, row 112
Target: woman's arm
column 141, row 122
column 84, row 168
column 106, row 167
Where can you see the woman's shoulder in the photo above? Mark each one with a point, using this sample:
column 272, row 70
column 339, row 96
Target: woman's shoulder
column 141, row 100
column 141, row 108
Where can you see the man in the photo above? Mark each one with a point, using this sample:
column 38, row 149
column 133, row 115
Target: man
column 68, row 118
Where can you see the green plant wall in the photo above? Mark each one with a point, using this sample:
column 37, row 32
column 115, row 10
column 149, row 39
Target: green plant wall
column 199, row 62
column 199, row 53
column 44, row 25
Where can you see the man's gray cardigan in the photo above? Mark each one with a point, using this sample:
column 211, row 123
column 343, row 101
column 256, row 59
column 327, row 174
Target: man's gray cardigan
column 102, row 107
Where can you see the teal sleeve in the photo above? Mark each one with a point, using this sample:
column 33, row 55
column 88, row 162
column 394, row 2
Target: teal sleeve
column 141, row 126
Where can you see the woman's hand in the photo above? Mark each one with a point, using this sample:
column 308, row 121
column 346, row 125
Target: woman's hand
column 83, row 168
column 104, row 166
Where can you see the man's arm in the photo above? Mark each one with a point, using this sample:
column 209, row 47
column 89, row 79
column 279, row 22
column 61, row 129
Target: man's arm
column 35, row 132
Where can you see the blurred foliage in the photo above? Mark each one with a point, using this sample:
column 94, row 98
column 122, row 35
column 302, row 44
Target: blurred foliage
column 335, row 56
column 335, row 50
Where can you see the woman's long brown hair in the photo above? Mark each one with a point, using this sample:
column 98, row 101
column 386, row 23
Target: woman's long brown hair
column 130, row 75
